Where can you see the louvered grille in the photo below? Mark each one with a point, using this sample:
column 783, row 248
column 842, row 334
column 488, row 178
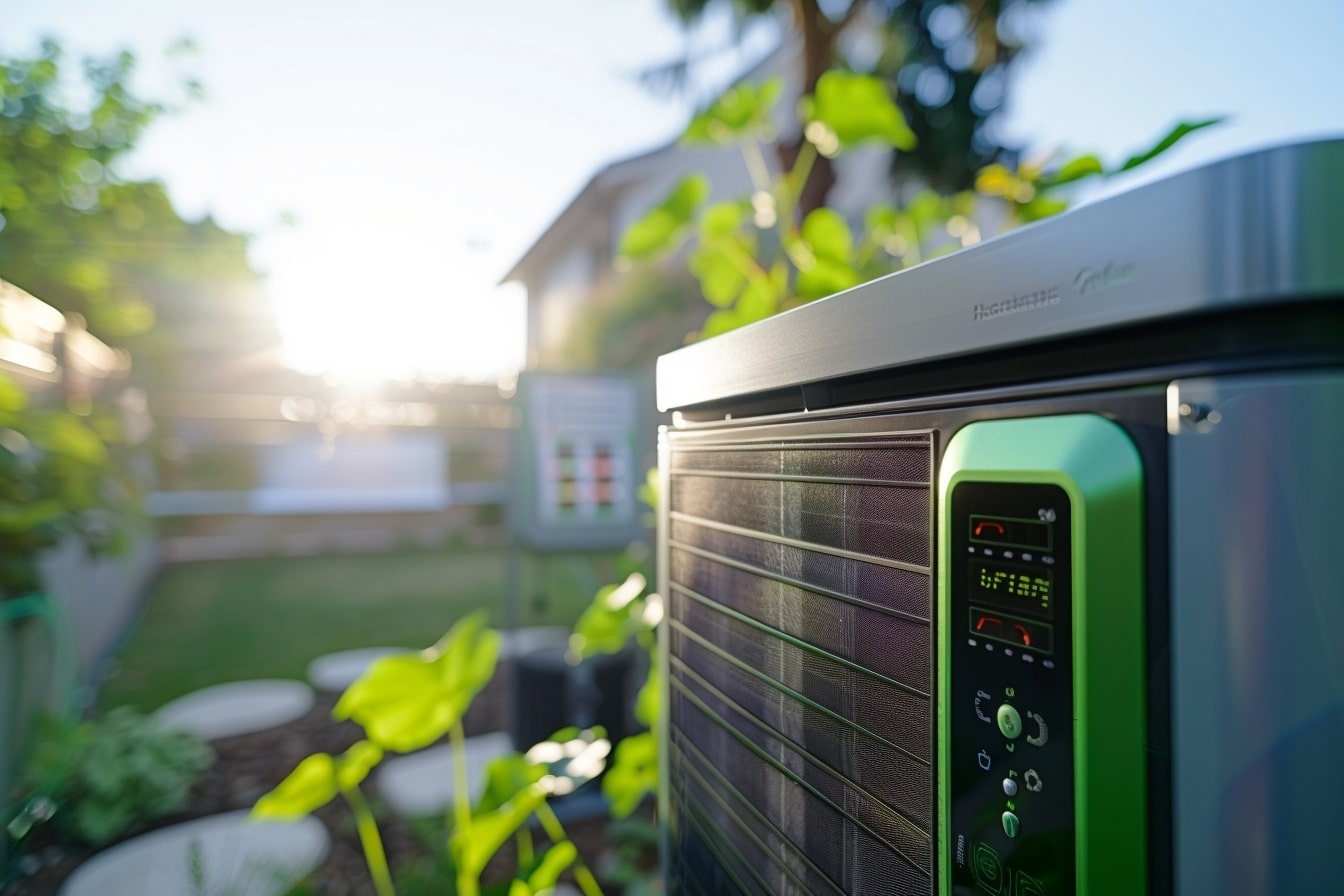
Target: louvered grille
column 799, row 602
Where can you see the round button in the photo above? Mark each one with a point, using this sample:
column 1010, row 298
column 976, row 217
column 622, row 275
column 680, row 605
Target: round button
column 1010, row 824
column 1009, row 787
column 1010, row 722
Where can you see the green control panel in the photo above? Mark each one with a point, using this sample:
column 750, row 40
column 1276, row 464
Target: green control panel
column 1040, row 638
column 1011, row 769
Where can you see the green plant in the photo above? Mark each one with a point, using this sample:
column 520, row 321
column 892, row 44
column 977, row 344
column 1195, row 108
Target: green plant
column 58, row 479
column 110, row 777
column 755, row 256
column 407, row 702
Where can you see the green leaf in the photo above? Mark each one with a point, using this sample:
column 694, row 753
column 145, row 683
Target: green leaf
column 827, row 234
column 851, row 109
column 67, row 435
column 759, row 300
column 723, row 219
column 12, row 398
column 720, row 322
column 469, row 654
column 744, row 112
column 1170, row 139
column 408, row 701
column 633, row 775
column 1041, row 207
column 310, row 786
column 825, row 278
column 649, row 700
column 552, row 865
column 400, row 704
column 505, row 778
column 721, row 280
column 356, row 763
column 661, row 227
column 1074, row 169
column 473, row 845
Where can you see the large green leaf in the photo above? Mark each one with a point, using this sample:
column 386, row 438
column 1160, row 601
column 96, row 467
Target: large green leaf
column 743, row 112
column 400, row 703
column 467, row 657
column 310, row 786
column 662, row 226
column 1170, row 139
column 852, row 109
column 408, row 701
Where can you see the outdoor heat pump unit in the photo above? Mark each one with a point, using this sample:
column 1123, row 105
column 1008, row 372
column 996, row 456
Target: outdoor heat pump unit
column 1021, row 572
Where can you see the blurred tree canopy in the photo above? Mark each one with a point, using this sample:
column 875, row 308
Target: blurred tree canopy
column 72, row 232
column 109, row 250
column 945, row 62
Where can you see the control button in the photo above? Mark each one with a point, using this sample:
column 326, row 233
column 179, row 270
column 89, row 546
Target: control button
column 1026, row 885
column 1009, row 787
column 1042, row 732
column 988, row 869
column 1010, row 824
column 1010, row 723
column 983, row 758
column 1033, row 781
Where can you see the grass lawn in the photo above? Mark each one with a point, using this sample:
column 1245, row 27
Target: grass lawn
column 212, row 622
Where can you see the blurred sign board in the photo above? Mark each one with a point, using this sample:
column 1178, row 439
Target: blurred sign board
column 577, row 460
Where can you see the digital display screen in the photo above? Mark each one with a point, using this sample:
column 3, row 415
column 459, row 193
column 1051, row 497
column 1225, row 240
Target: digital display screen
column 1023, row 589
column 1010, row 531
column 996, row 625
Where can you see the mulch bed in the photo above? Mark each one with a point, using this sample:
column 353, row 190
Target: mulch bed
column 249, row 765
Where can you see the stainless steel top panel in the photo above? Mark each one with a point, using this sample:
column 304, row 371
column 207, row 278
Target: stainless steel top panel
column 1258, row 229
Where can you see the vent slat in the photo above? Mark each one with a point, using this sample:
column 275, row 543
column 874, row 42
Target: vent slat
column 880, row 521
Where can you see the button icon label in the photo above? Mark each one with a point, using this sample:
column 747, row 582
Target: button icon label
column 982, row 698
column 983, row 758
column 1033, row 781
column 988, row 869
column 1042, row 732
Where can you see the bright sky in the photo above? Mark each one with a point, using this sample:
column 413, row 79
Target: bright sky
column 421, row 145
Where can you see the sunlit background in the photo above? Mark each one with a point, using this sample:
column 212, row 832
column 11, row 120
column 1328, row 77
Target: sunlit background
column 394, row 160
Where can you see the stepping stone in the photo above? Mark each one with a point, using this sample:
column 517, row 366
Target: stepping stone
column 516, row 642
column 422, row 783
column 230, row 856
column 337, row 671
column 239, row 707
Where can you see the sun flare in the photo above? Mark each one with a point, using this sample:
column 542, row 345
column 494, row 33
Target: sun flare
column 396, row 314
